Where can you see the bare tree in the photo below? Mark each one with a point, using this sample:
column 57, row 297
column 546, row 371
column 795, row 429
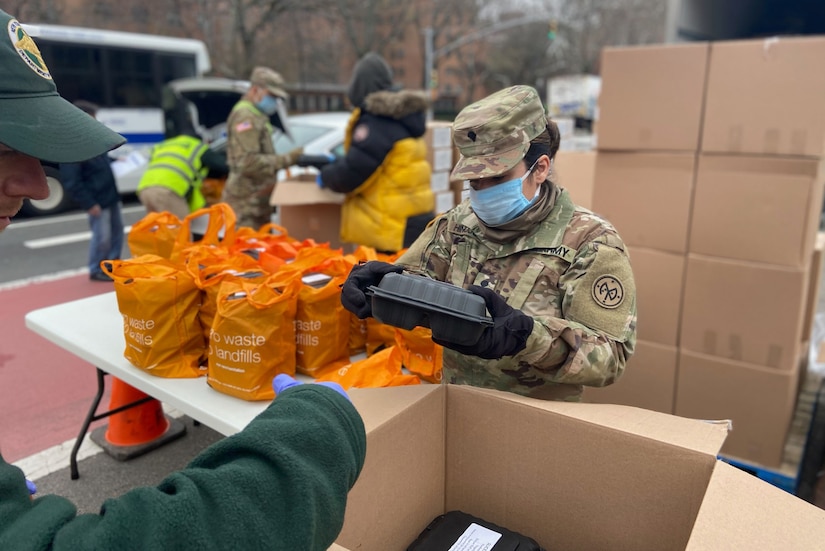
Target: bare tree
column 36, row 11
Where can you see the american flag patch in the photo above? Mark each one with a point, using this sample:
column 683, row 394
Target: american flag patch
column 243, row 126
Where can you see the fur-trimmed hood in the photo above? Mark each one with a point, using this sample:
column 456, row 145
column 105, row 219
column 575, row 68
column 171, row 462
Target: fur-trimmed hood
column 397, row 105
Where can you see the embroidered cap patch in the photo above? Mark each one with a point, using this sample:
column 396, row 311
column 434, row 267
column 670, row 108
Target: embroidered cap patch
column 27, row 49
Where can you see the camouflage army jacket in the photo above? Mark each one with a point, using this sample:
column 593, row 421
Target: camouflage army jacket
column 559, row 263
column 250, row 154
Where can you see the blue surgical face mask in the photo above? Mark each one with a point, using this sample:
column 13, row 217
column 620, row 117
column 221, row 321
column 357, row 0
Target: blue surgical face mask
column 268, row 105
column 498, row 204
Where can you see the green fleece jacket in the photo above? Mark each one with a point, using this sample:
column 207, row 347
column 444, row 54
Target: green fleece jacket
column 281, row 483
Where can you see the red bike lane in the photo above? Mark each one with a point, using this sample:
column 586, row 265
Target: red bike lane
column 45, row 391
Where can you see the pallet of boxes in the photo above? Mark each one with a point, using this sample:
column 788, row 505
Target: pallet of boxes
column 709, row 165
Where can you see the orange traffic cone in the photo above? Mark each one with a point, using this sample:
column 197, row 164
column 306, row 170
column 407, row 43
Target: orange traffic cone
column 138, row 429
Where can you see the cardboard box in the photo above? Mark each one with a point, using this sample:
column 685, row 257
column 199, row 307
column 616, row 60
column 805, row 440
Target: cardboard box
column 307, row 211
column 646, row 196
column 762, row 209
column 439, row 134
column 572, row 476
column 659, row 277
column 649, row 380
column 652, row 96
column 759, row 401
column 444, row 201
column 575, row 171
column 743, row 311
column 441, row 159
column 440, row 181
column 814, row 283
column 766, row 97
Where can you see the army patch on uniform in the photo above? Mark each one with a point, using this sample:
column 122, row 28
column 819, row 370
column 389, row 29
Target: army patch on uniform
column 27, row 49
column 243, row 126
column 608, row 291
column 360, row 133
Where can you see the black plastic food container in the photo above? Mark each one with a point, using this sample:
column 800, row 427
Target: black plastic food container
column 453, row 314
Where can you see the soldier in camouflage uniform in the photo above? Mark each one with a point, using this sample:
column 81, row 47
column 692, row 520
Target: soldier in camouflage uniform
column 556, row 277
column 253, row 163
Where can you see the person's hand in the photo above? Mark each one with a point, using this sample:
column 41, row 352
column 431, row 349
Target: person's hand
column 507, row 337
column 95, row 210
column 353, row 292
column 319, row 181
column 282, row 381
column 294, row 155
column 31, row 486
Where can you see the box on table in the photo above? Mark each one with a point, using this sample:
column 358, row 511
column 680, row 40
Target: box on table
column 307, row 211
column 759, row 401
column 649, row 380
column 766, row 97
column 646, row 196
column 571, row 476
column 575, row 171
column 659, row 277
column 652, row 97
column 743, row 311
column 757, row 208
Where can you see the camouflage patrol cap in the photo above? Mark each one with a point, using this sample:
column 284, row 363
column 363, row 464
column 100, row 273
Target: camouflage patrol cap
column 270, row 80
column 494, row 134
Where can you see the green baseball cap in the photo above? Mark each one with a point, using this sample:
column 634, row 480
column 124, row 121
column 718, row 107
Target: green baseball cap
column 494, row 134
column 34, row 119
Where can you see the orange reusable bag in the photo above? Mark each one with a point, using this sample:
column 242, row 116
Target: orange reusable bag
column 253, row 337
column 379, row 370
column 155, row 233
column 219, row 232
column 159, row 302
column 419, row 354
column 321, row 327
column 209, row 266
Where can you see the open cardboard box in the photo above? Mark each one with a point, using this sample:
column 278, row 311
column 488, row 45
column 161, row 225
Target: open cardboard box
column 572, row 476
column 307, row 211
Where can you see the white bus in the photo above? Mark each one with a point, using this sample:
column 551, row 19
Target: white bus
column 124, row 73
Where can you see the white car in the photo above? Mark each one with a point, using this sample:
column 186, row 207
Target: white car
column 205, row 103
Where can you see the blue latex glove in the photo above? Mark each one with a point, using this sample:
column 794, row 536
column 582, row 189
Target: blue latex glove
column 283, row 381
column 318, row 181
column 331, row 157
column 32, row 488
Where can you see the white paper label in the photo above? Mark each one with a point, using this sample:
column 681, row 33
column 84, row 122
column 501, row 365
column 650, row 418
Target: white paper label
column 476, row 538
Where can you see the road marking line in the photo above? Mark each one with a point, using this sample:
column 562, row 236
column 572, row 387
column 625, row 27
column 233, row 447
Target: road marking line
column 45, row 278
column 63, row 239
column 44, row 221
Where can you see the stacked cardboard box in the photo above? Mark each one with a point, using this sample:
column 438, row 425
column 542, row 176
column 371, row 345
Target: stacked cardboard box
column 710, row 166
column 441, row 156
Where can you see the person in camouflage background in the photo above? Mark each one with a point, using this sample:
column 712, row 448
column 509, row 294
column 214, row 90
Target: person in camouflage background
column 253, row 163
column 556, row 277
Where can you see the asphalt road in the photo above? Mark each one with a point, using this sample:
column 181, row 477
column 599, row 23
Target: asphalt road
column 41, row 246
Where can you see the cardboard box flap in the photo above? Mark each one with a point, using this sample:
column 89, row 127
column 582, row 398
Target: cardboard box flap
column 741, row 511
column 693, row 434
column 302, row 192
column 379, row 405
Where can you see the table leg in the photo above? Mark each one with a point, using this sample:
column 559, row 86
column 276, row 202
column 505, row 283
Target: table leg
column 91, row 417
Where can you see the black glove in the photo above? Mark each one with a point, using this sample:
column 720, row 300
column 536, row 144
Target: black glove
column 317, row 161
column 507, row 337
column 353, row 295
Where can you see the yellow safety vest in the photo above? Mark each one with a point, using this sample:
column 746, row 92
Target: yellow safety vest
column 176, row 164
